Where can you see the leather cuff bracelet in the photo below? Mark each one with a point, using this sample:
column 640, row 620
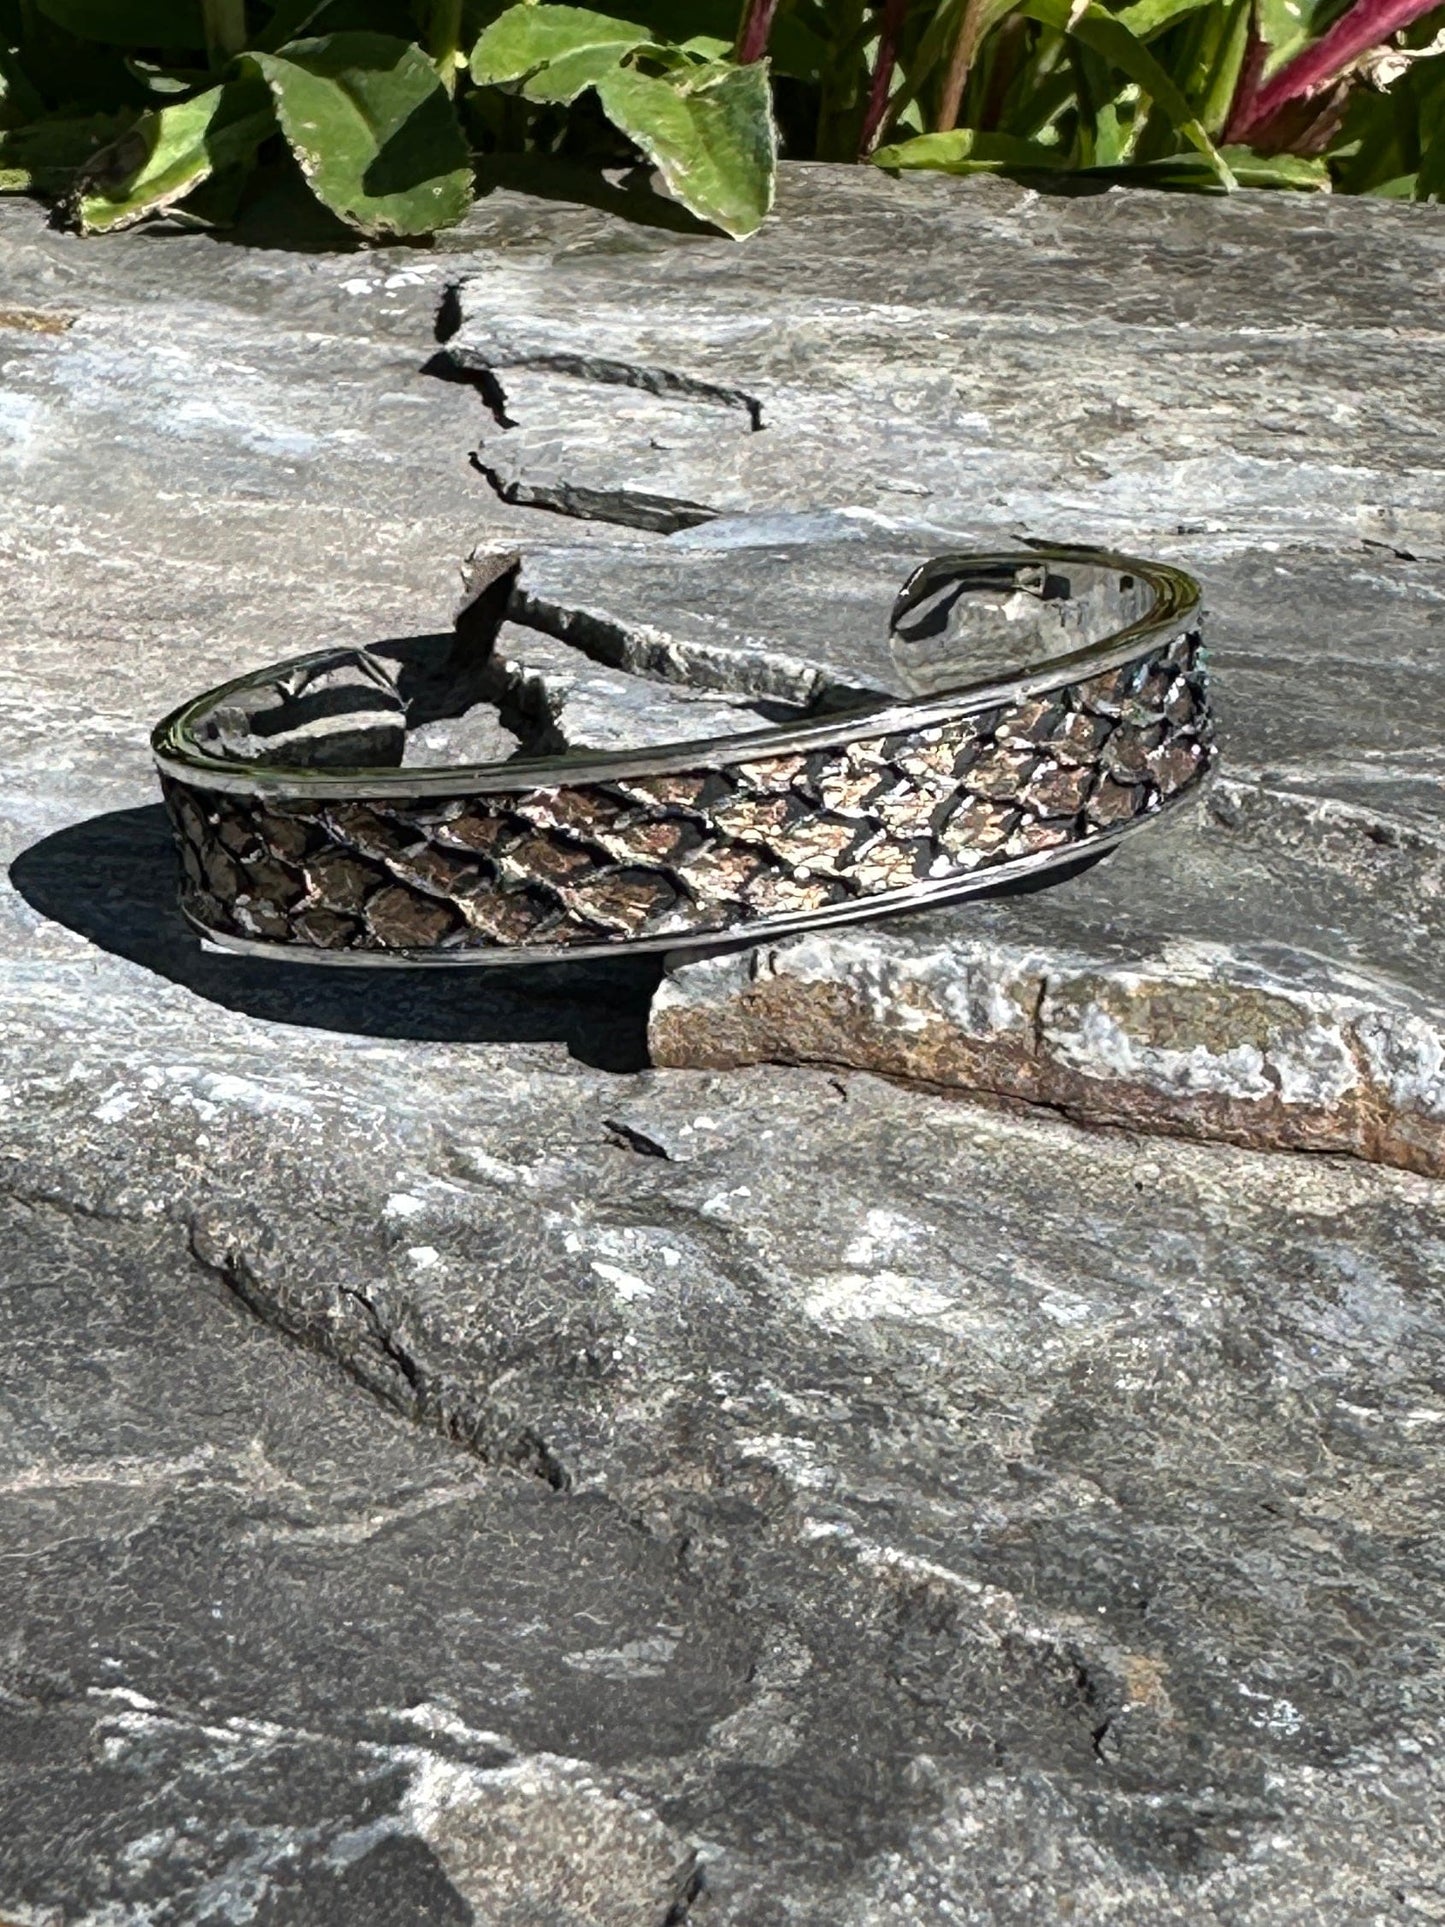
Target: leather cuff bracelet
column 1064, row 706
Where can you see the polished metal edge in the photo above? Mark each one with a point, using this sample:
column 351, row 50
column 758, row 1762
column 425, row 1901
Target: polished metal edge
column 926, row 894
column 1174, row 614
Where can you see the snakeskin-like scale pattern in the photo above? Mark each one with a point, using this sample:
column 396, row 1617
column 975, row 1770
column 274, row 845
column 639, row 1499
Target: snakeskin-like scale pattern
column 703, row 850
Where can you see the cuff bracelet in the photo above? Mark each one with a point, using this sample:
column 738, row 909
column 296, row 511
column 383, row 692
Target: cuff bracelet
column 1062, row 703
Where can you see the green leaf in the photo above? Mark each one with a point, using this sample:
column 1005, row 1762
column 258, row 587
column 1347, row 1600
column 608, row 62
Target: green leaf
column 171, row 151
column 1273, row 170
column 1288, row 26
column 374, row 131
column 1297, row 171
column 1145, row 18
column 1103, row 134
column 1221, row 44
column 45, row 157
column 967, row 151
column 528, row 38
column 709, row 130
column 562, row 80
column 1109, row 37
column 705, row 123
column 166, row 82
column 130, row 23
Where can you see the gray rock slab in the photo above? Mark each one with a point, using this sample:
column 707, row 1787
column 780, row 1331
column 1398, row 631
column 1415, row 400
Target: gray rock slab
column 562, row 699
column 1090, row 368
column 272, row 1653
column 1044, row 1512
column 802, row 1499
column 788, row 610
column 1136, row 994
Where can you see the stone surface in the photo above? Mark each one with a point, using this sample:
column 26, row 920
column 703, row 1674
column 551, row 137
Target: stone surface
column 1044, row 1514
column 1102, row 368
column 565, row 700
column 454, row 1472
column 272, row 1653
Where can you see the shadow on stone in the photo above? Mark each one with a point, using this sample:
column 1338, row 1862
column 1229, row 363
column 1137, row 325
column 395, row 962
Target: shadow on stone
column 113, row 879
column 631, row 197
column 281, row 214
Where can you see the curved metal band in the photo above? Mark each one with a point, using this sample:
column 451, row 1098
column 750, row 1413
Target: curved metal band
column 887, row 806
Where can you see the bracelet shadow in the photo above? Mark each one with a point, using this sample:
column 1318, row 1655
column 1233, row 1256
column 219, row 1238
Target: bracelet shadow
column 112, row 879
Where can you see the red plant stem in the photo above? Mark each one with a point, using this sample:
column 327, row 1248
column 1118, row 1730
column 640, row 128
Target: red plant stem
column 887, row 60
column 757, row 26
column 1366, row 25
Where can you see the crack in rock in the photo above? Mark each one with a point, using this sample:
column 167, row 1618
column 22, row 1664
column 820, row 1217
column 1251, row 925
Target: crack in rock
column 474, row 351
column 627, row 508
column 373, row 1351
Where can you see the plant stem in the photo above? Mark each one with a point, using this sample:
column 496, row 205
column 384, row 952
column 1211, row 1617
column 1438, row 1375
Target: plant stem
column 1366, row 25
column 755, row 29
column 225, row 23
column 883, row 66
column 444, row 31
column 978, row 17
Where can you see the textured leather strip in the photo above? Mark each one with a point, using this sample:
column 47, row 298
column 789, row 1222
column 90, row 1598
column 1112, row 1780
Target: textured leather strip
column 698, row 854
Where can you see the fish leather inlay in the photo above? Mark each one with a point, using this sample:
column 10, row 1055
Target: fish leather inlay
column 712, row 849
